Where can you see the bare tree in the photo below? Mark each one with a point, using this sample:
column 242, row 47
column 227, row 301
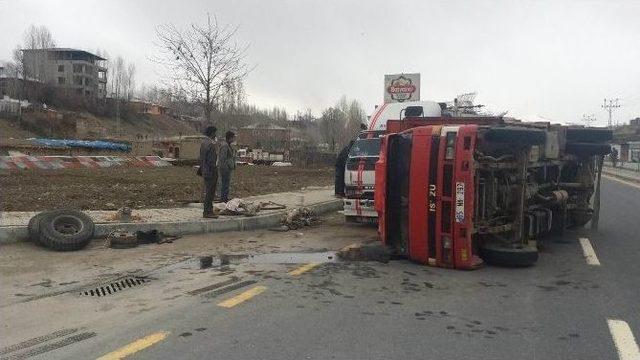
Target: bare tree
column 38, row 37
column 131, row 80
column 341, row 123
column 204, row 60
column 332, row 125
column 35, row 37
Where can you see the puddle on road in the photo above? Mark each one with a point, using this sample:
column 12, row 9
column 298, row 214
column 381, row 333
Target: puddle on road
column 237, row 259
column 287, row 258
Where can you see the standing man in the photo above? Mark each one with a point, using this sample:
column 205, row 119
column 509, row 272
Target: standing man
column 208, row 170
column 341, row 162
column 227, row 163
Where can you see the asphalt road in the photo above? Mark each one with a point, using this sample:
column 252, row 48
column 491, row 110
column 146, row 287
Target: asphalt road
column 568, row 306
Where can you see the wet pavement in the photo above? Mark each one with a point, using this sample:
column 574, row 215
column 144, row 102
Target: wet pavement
column 306, row 303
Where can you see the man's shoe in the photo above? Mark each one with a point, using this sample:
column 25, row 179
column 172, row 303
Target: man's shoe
column 210, row 216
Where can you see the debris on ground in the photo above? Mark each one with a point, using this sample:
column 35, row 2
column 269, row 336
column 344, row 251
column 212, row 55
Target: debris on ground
column 239, row 206
column 125, row 215
column 121, row 239
column 366, row 252
column 61, row 230
column 297, row 218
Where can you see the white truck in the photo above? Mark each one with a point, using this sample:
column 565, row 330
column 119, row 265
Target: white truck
column 359, row 176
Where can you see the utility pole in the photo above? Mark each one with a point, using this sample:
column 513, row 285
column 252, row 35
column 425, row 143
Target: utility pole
column 588, row 119
column 610, row 106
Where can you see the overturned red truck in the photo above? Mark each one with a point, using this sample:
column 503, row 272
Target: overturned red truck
column 458, row 191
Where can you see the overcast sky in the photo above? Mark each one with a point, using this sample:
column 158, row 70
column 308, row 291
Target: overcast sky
column 552, row 59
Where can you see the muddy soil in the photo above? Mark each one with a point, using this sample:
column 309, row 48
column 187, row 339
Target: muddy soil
column 104, row 189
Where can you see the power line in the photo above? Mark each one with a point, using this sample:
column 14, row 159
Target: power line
column 610, row 106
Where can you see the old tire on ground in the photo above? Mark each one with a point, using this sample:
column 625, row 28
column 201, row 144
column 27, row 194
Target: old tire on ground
column 34, row 226
column 515, row 135
column 589, row 135
column 587, row 149
column 496, row 254
column 65, row 230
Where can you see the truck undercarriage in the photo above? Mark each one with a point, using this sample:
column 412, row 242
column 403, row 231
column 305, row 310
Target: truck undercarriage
column 453, row 192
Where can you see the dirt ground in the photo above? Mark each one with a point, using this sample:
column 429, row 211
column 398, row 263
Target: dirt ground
column 105, row 189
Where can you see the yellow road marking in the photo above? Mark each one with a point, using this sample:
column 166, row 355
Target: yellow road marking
column 135, row 346
column 623, row 339
column 303, row 269
column 608, row 177
column 242, row 297
column 589, row 253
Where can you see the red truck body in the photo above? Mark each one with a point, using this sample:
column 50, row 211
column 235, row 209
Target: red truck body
column 430, row 171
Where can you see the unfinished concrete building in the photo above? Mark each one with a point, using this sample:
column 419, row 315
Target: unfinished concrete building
column 77, row 71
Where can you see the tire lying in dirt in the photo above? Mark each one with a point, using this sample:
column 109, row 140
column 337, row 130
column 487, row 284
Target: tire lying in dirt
column 587, row 149
column 495, row 254
column 65, row 230
column 34, row 227
column 589, row 135
column 515, row 135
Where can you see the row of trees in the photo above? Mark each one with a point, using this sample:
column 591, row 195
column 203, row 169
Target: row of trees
column 340, row 123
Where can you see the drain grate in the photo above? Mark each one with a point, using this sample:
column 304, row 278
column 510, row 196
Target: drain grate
column 115, row 286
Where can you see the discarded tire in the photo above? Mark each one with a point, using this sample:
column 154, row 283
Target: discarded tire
column 65, row 230
column 588, row 149
column 512, row 135
column 589, row 135
column 34, row 227
column 510, row 257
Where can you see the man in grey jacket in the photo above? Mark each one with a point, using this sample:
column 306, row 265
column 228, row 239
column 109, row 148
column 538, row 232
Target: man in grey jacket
column 227, row 163
column 209, row 170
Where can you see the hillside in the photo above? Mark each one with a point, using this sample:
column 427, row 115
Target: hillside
column 71, row 124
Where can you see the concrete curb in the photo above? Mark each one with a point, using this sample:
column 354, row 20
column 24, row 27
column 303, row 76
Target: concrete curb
column 13, row 234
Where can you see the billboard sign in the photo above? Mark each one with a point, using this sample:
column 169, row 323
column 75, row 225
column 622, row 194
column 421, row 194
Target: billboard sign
column 401, row 87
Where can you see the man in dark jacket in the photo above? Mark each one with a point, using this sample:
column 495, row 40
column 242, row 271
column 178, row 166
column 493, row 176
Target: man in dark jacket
column 341, row 162
column 227, row 163
column 209, row 170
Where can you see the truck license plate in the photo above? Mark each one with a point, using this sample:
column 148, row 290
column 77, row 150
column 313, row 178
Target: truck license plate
column 459, row 202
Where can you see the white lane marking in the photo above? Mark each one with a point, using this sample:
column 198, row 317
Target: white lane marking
column 589, row 253
column 623, row 339
column 608, row 177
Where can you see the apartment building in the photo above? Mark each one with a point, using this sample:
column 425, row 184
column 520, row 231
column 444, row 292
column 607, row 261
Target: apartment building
column 77, row 71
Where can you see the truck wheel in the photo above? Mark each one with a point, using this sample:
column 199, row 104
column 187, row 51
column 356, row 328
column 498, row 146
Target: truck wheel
column 34, row 226
column 65, row 230
column 514, row 135
column 587, row 149
column 580, row 217
column 588, row 135
column 496, row 254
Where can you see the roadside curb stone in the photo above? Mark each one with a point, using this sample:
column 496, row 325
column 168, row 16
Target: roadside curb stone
column 12, row 234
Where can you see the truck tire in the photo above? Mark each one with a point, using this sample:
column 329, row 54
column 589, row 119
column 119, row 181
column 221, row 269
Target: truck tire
column 65, row 230
column 587, row 149
column 34, row 227
column 589, row 135
column 496, row 254
column 514, row 135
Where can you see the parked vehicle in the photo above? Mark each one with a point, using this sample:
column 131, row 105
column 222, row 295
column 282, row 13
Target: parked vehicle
column 358, row 203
